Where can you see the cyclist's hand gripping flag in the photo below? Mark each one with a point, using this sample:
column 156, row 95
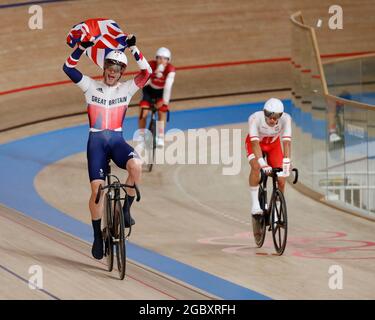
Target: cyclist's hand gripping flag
column 104, row 33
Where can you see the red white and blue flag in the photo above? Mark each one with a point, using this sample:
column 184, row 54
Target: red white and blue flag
column 105, row 33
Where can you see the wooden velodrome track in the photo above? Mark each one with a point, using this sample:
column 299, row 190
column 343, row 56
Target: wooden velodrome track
column 204, row 227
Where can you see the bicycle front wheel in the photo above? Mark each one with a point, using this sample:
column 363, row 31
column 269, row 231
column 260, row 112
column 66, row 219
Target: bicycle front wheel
column 120, row 239
column 279, row 222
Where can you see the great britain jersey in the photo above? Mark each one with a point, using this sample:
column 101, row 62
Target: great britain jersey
column 107, row 105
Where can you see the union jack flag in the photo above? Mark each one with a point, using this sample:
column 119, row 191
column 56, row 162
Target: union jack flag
column 105, row 33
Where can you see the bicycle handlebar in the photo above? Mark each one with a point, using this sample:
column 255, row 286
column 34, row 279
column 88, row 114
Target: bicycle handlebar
column 263, row 175
column 153, row 108
column 123, row 186
column 295, row 175
column 138, row 194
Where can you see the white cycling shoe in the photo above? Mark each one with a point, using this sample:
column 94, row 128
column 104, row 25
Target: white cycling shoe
column 141, row 146
column 334, row 137
column 159, row 142
column 256, row 211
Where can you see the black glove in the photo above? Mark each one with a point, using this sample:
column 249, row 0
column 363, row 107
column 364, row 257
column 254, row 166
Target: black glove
column 130, row 41
column 86, row 44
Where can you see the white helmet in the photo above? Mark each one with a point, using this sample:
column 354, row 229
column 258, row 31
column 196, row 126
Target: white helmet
column 274, row 105
column 117, row 56
column 164, row 52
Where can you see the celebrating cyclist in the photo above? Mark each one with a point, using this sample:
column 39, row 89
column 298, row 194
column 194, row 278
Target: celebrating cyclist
column 159, row 89
column 107, row 102
column 265, row 130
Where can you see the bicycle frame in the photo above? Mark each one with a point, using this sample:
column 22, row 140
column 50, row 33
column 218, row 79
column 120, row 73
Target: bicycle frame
column 275, row 180
column 153, row 130
column 114, row 230
column 154, row 111
column 268, row 217
column 116, row 186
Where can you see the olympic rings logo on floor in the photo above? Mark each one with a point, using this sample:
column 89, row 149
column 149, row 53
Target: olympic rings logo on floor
column 320, row 245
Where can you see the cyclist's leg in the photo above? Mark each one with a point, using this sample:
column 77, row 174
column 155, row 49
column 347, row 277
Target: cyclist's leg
column 253, row 178
column 127, row 158
column 275, row 160
column 97, row 167
column 144, row 104
column 254, row 165
column 96, row 210
column 143, row 113
column 162, row 116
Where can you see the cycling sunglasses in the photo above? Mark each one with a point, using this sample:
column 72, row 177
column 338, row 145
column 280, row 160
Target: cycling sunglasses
column 273, row 115
column 113, row 65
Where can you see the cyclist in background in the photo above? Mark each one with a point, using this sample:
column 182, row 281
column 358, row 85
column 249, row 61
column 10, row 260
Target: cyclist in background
column 107, row 102
column 159, row 88
column 265, row 129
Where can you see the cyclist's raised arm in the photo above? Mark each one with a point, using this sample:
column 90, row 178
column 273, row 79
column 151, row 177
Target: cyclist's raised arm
column 69, row 67
column 142, row 77
column 286, row 136
column 168, row 86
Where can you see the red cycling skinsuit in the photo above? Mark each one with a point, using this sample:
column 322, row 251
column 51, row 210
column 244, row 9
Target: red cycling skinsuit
column 268, row 137
column 159, row 87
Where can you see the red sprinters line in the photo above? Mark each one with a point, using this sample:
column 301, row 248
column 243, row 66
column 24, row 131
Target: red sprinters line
column 233, row 63
column 202, row 66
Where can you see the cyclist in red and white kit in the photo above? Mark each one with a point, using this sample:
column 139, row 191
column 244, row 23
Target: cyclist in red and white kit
column 159, row 88
column 268, row 129
column 107, row 102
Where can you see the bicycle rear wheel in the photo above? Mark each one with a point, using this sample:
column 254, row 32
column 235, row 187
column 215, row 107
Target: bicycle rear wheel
column 108, row 231
column 279, row 222
column 259, row 222
column 120, row 236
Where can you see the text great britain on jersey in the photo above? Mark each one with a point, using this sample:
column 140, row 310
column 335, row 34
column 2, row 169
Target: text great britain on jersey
column 111, row 102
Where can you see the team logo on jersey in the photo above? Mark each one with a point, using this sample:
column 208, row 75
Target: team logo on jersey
column 101, row 173
column 100, row 89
